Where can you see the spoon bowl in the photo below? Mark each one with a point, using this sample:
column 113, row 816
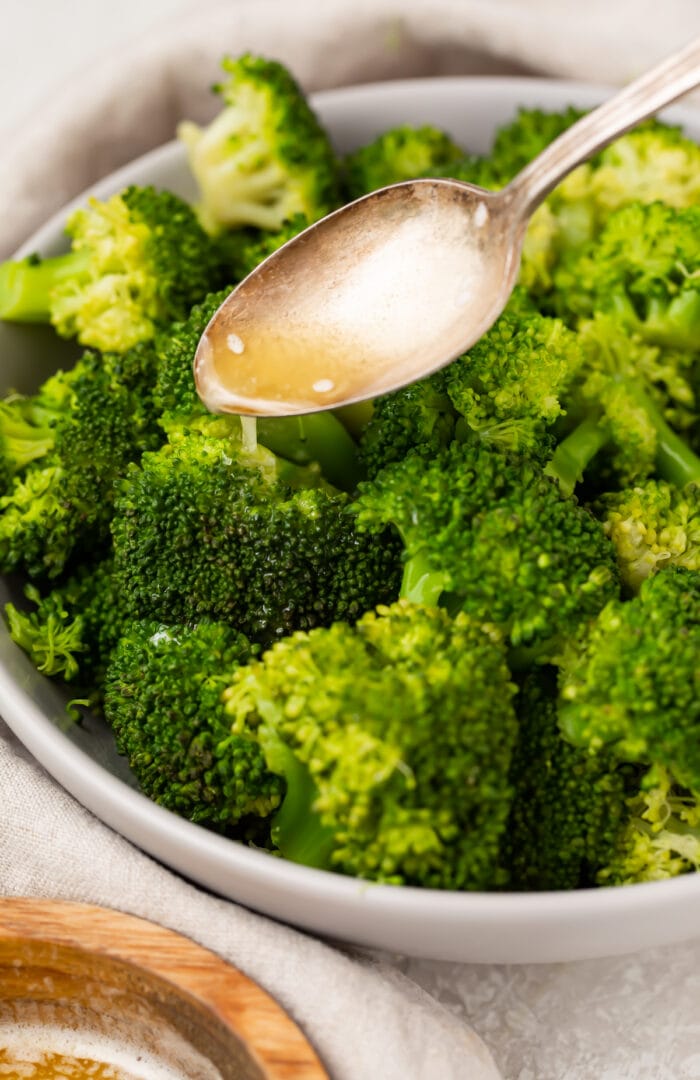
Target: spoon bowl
column 400, row 282
column 323, row 321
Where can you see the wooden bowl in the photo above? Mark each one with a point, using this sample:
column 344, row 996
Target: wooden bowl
column 87, row 982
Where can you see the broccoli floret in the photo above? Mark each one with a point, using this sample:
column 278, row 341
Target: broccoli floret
column 419, row 417
column 659, row 837
column 619, row 401
column 643, row 268
column 209, row 527
column 631, row 683
column 507, row 388
column 402, row 153
column 318, row 438
column 567, row 805
column 138, row 260
column 421, row 802
column 503, row 391
column 654, row 162
column 28, row 426
column 493, row 536
column 163, row 700
column 61, row 506
column 264, row 157
column 72, row 630
column 652, row 525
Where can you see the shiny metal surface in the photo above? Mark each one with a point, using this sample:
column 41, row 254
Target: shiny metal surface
column 397, row 284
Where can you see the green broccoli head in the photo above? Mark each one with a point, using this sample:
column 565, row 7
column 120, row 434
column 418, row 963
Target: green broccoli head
column 653, row 162
column 163, row 701
column 139, row 260
column 652, row 525
column 207, row 527
column 631, row 683
column 28, row 426
column 72, row 630
column 61, row 506
column 422, row 803
column 507, row 388
column 568, row 806
column 643, row 268
column 402, row 153
column 419, row 417
column 495, row 537
column 505, row 392
column 264, row 157
column 659, row 835
column 621, row 398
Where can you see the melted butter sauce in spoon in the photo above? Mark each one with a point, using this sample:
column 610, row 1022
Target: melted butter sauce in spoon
column 305, row 332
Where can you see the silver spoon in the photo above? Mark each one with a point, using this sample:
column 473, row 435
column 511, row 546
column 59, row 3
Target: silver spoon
column 400, row 282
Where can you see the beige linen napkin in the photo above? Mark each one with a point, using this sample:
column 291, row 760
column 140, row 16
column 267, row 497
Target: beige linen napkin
column 136, row 96
column 366, row 1018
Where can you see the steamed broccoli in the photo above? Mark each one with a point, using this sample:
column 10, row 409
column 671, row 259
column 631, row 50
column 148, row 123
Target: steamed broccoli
column 630, row 694
column 659, row 835
column 72, row 630
column 28, row 426
column 60, row 506
column 208, row 527
column 264, row 157
column 568, row 806
column 402, row 153
column 380, row 735
column 652, row 525
column 643, row 269
column 138, row 260
column 505, row 391
column 421, row 802
column 618, row 401
column 418, row 417
column 493, row 536
column 631, row 682
column 163, row 700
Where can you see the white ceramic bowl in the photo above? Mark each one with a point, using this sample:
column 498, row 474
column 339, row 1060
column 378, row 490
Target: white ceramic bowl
column 477, row 927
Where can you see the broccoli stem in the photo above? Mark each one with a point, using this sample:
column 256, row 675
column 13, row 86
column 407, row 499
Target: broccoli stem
column 421, row 583
column 675, row 461
column 355, row 417
column 316, row 437
column 22, row 440
column 574, row 453
column 26, row 286
column 297, row 829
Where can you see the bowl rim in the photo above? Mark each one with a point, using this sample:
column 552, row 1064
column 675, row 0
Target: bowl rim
column 218, row 860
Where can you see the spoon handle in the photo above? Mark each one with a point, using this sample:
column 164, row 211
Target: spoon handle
column 670, row 79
